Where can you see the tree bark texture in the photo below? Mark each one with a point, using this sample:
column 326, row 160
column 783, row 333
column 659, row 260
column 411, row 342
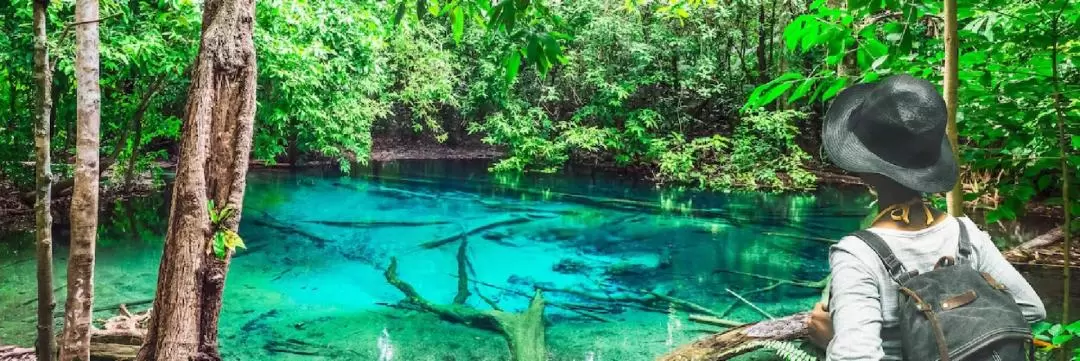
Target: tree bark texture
column 214, row 151
column 46, row 344
column 75, row 342
column 955, row 197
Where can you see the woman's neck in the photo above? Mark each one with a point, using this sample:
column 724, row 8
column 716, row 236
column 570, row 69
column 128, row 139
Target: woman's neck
column 917, row 215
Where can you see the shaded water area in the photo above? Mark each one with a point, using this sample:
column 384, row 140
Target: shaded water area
column 310, row 285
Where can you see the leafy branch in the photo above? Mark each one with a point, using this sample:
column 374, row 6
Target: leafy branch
column 224, row 238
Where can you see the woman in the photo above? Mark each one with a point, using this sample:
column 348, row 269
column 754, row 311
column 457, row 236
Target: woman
column 893, row 135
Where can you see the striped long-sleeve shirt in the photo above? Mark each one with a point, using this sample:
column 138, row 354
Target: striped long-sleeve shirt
column 864, row 300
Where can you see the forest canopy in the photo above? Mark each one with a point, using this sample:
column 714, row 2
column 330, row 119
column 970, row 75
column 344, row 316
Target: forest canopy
column 711, row 94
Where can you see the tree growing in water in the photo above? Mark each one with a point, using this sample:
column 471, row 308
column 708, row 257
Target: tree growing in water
column 43, row 178
column 75, row 343
column 214, row 151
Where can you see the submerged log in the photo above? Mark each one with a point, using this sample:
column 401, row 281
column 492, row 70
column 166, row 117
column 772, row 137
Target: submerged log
column 740, row 340
column 524, row 332
column 450, row 239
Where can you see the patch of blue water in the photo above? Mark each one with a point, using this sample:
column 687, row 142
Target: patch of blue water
column 319, row 242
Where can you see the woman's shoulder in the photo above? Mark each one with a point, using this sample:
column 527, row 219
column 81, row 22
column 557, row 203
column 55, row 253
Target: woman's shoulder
column 853, row 249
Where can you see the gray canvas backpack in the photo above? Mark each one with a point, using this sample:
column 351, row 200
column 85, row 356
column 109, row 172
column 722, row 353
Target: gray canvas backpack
column 954, row 312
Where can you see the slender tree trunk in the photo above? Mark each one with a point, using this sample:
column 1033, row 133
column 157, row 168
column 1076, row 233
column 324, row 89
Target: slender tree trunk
column 955, row 198
column 1066, row 273
column 136, row 128
column 762, row 62
column 12, row 92
column 214, row 152
column 75, row 344
column 46, row 345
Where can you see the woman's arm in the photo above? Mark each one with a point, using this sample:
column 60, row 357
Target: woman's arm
column 993, row 262
column 855, row 306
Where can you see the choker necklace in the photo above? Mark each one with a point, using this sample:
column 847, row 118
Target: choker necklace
column 900, row 212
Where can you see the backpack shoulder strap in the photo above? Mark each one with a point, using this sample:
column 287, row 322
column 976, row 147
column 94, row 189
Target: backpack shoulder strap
column 892, row 264
column 965, row 247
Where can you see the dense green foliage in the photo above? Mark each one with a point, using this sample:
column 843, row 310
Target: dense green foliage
column 1008, row 105
column 670, row 87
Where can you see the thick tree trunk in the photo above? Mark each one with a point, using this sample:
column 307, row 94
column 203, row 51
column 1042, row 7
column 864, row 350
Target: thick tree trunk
column 75, row 344
column 954, row 198
column 46, row 345
column 214, row 152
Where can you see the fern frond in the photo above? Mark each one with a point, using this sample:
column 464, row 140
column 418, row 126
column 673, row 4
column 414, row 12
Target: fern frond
column 789, row 351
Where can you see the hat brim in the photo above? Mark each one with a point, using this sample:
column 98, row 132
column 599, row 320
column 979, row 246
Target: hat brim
column 846, row 150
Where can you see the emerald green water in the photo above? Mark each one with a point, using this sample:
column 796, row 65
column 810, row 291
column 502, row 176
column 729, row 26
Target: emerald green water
column 318, row 243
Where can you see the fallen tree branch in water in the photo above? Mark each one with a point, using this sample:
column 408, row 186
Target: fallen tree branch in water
column 807, row 284
column 751, row 304
column 737, row 341
column 462, row 235
column 375, row 224
column 269, row 221
column 716, row 321
column 524, row 332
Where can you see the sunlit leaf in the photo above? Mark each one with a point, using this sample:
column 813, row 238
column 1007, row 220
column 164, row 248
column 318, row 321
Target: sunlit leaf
column 513, row 62
column 458, row 19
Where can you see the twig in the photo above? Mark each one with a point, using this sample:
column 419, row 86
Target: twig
column 750, row 303
column 714, row 321
column 77, row 23
column 811, row 284
column 685, row 303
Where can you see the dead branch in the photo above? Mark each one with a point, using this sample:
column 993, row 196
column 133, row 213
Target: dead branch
column 524, row 332
column 462, row 235
column 751, row 304
column 716, row 321
column 377, row 224
column 463, row 274
column 733, row 342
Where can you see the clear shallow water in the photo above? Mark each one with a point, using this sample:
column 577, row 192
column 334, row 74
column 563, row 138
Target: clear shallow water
column 311, row 280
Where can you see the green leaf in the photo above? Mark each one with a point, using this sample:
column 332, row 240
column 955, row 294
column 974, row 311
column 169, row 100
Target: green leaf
column 513, row 63
column 1056, row 330
column 232, row 240
column 1074, row 328
column 399, row 14
column 1061, row 339
column 458, row 24
column 1076, row 142
column 877, row 62
column 776, row 91
column 793, row 32
column 801, row 90
column 219, row 245
column 1040, row 327
column 833, row 89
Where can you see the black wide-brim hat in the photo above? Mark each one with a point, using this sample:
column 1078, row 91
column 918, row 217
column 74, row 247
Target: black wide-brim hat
column 895, row 128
